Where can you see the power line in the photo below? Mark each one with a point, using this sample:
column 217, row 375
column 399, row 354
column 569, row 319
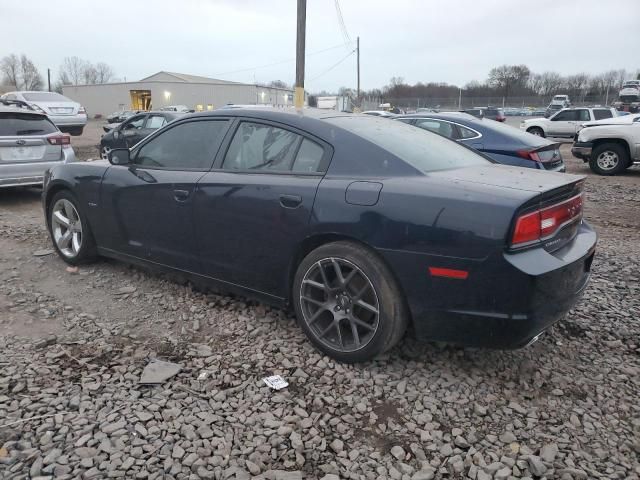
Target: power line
column 341, row 24
column 281, row 61
column 334, row 65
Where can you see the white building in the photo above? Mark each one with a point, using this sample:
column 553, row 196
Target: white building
column 168, row 88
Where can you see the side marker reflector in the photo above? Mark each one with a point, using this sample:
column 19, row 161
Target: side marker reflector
column 448, row 273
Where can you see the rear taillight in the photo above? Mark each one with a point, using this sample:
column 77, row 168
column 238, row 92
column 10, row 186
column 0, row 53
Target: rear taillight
column 60, row 140
column 82, row 110
column 543, row 223
column 529, row 155
column 502, row 119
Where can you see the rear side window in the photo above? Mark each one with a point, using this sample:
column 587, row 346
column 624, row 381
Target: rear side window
column 600, row 114
column 466, row 133
column 443, row 128
column 261, row 147
column 309, row 157
column 583, row 115
column 419, row 148
column 188, row 146
column 23, row 124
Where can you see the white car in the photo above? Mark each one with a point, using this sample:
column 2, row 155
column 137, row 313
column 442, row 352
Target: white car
column 610, row 146
column 561, row 100
column 67, row 115
column 567, row 122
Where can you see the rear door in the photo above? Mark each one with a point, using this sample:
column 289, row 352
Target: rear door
column 254, row 207
column 147, row 207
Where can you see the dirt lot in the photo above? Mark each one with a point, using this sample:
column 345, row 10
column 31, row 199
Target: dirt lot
column 73, row 346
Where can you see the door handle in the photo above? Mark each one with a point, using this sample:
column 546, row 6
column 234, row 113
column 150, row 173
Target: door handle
column 290, row 201
column 181, row 195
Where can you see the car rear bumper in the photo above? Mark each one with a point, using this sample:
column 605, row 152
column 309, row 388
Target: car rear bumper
column 30, row 173
column 582, row 150
column 69, row 120
column 505, row 302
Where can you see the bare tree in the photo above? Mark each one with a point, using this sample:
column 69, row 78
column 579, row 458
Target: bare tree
column 31, row 78
column 89, row 74
column 507, row 77
column 550, row 83
column 104, row 73
column 10, row 69
column 577, row 86
column 277, row 84
column 73, row 70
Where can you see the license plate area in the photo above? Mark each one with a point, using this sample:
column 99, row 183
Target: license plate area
column 21, row 153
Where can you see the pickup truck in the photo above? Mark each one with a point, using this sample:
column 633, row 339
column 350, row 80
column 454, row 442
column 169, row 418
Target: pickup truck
column 566, row 122
column 611, row 145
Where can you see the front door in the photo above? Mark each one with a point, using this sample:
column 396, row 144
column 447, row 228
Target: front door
column 253, row 209
column 563, row 124
column 148, row 205
column 131, row 131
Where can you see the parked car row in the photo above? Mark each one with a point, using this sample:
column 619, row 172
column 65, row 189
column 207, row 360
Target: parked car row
column 367, row 227
column 566, row 122
column 67, row 115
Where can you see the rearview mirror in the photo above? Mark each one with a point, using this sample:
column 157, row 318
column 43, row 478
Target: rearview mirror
column 119, row 156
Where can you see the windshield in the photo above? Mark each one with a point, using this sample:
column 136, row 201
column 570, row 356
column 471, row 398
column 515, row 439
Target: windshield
column 423, row 150
column 19, row 124
column 45, row 97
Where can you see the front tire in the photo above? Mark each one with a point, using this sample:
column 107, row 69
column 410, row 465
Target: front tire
column 348, row 303
column 609, row 159
column 104, row 152
column 537, row 131
column 69, row 229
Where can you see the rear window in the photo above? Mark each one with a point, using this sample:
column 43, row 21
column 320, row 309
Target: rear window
column 22, row 124
column 45, row 97
column 423, row 150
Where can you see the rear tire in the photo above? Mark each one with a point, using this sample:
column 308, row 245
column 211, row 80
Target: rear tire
column 608, row 159
column 69, row 229
column 348, row 303
column 536, row 131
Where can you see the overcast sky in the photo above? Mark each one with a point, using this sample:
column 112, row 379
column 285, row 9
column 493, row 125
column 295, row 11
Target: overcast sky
column 452, row 41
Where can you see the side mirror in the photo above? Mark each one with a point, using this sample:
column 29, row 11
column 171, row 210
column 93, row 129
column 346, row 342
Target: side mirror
column 119, row 156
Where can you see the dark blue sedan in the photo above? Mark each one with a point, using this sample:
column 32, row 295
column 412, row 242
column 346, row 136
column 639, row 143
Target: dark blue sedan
column 503, row 143
column 366, row 227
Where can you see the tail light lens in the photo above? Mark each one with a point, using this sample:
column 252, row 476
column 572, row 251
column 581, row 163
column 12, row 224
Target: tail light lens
column 529, row 155
column 543, row 223
column 60, row 140
column 82, row 110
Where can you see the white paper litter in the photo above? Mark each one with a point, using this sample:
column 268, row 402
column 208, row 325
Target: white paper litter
column 276, row 382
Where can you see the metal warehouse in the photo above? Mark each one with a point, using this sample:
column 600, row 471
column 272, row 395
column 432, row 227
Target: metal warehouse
column 168, row 88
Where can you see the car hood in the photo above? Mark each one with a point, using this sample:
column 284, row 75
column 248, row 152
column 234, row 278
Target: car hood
column 504, row 176
column 623, row 120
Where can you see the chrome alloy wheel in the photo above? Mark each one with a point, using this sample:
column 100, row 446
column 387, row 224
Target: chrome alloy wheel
column 66, row 228
column 339, row 304
column 104, row 152
column 607, row 160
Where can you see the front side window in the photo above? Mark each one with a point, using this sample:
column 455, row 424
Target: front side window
column 156, row 121
column 566, row 116
column 602, row 113
column 134, row 123
column 261, row 147
column 187, row 146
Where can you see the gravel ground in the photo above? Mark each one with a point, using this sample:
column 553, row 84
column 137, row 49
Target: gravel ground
column 74, row 344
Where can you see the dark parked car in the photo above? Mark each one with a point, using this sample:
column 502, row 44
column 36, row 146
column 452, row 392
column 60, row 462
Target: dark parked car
column 491, row 113
column 363, row 225
column 503, row 143
column 131, row 131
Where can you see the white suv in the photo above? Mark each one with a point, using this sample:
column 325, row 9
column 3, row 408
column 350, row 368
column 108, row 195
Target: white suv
column 567, row 122
column 67, row 115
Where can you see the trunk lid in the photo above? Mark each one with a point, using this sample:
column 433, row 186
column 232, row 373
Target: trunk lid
column 28, row 149
column 59, row 108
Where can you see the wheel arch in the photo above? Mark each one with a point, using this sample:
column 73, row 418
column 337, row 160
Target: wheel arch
column 618, row 141
column 314, row 241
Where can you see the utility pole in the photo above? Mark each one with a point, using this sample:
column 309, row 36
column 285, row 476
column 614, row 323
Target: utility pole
column 300, row 50
column 460, row 99
column 358, row 56
column 49, row 78
column 606, row 101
